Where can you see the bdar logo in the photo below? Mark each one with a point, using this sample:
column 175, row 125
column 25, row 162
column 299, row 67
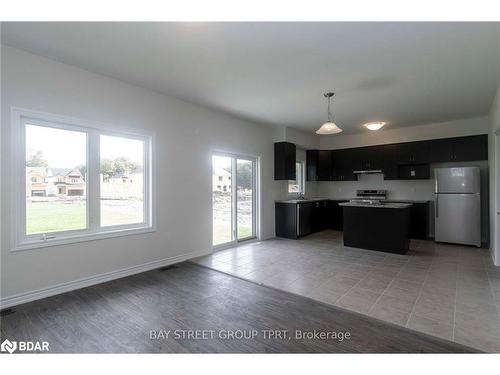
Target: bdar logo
column 8, row 346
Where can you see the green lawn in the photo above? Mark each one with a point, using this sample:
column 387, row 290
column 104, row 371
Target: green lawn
column 222, row 233
column 44, row 217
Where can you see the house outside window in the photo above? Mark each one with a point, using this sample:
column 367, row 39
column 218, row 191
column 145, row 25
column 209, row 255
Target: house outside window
column 221, row 180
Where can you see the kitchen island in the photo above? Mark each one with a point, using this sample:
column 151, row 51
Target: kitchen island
column 381, row 227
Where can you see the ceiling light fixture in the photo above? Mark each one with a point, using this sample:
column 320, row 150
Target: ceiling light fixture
column 329, row 127
column 374, row 125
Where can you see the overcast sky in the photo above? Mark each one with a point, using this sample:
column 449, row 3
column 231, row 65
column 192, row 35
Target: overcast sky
column 67, row 149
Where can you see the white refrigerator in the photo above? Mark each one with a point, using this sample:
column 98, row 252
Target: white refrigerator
column 457, row 205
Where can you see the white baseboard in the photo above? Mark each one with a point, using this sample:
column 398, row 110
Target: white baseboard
column 18, row 299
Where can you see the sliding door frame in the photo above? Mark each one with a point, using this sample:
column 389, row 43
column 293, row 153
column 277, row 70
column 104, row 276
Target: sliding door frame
column 234, row 199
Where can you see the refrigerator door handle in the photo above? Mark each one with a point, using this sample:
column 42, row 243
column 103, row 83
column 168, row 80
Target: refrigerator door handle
column 437, row 205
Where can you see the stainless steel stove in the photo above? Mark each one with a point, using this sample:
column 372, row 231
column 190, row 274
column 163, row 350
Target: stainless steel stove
column 375, row 197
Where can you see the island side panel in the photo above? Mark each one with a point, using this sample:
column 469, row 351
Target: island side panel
column 382, row 229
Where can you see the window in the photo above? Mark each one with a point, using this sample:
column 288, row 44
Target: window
column 72, row 181
column 49, row 149
column 297, row 186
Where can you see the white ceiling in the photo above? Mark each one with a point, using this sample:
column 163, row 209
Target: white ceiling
column 276, row 73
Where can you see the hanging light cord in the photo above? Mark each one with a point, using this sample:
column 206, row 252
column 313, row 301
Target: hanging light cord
column 329, row 113
column 329, row 96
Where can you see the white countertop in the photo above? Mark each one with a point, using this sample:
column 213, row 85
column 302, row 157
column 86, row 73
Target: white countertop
column 388, row 202
column 384, row 205
column 295, row 201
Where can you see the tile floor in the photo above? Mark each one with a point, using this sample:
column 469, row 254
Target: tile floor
column 444, row 290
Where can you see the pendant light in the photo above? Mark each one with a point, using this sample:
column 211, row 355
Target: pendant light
column 329, row 127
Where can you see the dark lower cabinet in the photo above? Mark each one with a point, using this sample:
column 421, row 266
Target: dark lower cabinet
column 305, row 218
column 285, row 220
column 335, row 217
column 294, row 220
column 382, row 229
column 419, row 219
column 320, row 216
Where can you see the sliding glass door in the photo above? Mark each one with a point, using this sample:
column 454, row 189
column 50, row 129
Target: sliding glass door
column 233, row 199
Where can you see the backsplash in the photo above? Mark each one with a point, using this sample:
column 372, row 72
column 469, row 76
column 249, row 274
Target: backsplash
column 414, row 190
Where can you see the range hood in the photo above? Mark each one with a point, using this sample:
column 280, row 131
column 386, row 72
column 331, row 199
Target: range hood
column 368, row 171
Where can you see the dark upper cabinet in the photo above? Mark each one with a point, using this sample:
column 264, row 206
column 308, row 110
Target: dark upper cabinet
column 470, row 148
column 284, row 161
column 330, row 165
column 368, row 158
column 441, row 150
column 398, row 161
column 414, row 172
column 413, row 153
column 390, row 165
column 344, row 163
column 312, row 165
column 319, row 165
column 325, row 167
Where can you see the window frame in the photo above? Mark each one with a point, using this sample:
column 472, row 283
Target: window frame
column 93, row 231
column 300, row 179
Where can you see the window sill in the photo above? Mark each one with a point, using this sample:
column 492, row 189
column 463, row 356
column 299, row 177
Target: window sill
column 81, row 238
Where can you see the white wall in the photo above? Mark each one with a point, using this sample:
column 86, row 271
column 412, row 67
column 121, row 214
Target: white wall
column 185, row 136
column 456, row 128
column 303, row 140
column 493, row 139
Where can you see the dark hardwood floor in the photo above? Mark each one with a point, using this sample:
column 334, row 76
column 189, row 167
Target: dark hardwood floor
column 118, row 316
